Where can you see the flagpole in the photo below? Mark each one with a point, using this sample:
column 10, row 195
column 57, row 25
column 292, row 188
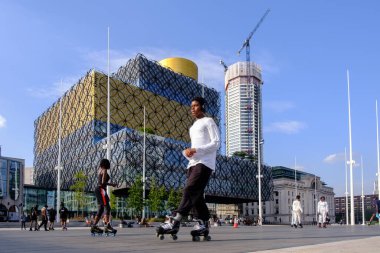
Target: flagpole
column 361, row 163
column 295, row 173
column 351, row 160
column 378, row 160
column 108, row 104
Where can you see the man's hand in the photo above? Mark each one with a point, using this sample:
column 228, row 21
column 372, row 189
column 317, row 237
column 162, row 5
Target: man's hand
column 189, row 152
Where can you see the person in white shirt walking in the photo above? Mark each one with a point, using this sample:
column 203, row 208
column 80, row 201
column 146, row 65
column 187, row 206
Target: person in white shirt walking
column 297, row 212
column 323, row 210
column 205, row 141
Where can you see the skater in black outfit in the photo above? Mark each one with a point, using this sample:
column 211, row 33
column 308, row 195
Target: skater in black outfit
column 205, row 142
column 52, row 215
column 103, row 199
column 63, row 213
column 33, row 218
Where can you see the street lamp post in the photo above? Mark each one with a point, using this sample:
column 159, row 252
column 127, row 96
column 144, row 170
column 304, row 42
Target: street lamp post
column 345, row 169
column 59, row 166
column 259, row 176
column 143, row 179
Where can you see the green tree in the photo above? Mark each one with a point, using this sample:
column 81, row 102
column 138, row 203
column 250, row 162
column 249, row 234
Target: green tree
column 113, row 202
column 147, row 130
column 134, row 200
column 156, row 198
column 240, row 154
column 171, row 204
column 78, row 187
column 174, row 199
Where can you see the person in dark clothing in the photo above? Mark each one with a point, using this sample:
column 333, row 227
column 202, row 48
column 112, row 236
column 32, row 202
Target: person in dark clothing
column 103, row 199
column 33, row 218
column 64, row 213
column 44, row 218
column 23, row 220
column 52, row 215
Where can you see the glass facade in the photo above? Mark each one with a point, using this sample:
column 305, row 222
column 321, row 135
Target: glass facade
column 3, row 178
column 11, row 188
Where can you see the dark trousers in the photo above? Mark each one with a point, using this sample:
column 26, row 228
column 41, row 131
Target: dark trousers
column 197, row 179
column 34, row 221
column 43, row 223
column 23, row 225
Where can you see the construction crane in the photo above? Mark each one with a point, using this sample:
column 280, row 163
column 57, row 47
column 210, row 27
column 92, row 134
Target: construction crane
column 224, row 65
column 246, row 45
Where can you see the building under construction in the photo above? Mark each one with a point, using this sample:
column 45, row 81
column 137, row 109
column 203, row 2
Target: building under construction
column 165, row 90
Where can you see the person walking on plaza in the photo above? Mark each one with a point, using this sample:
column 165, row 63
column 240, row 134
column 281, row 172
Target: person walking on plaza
column 52, row 215
column 63, row 213
column 323, row 210
column 103, row 199
column 44, row 218
column 33, row 218
column 205, row 141
column 297, row 211
column 374, row 209
column 23, row 221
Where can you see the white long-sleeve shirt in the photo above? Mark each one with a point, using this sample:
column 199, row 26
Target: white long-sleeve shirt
column 323, row 207
column 204, row 135
column 297, row 206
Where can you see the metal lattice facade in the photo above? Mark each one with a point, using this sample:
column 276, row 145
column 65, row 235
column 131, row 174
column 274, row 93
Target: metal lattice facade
column 166, row 97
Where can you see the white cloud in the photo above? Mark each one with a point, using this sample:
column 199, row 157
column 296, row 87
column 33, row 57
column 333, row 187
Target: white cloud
column 279, row 106
column 340, row 158
column 331, row 158
column 287, row 127
column 3, row 121
column 56, row 90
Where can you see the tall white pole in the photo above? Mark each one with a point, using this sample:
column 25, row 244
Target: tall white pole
column 143, row 179
column 378, row 160
column 259, row 170
column 361, row 163
column 295, row 174
column 315, row 198
column 108, row 103
column 345, row 168
column 351, row 161
column 59, row 168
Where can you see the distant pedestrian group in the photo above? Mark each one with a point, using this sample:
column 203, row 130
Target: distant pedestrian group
column 46, row 215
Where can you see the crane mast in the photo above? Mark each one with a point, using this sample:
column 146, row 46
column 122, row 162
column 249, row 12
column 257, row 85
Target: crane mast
column 257, row 93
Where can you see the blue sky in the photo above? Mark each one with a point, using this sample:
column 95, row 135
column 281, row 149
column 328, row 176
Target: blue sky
column 304, row 48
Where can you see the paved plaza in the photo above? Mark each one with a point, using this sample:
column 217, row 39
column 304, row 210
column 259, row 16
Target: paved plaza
column 267, row 238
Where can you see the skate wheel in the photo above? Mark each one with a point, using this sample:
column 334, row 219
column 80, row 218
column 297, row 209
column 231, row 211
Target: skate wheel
column 175, row 237
column 196, row 239
column 207, row 238
column 162, row 237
